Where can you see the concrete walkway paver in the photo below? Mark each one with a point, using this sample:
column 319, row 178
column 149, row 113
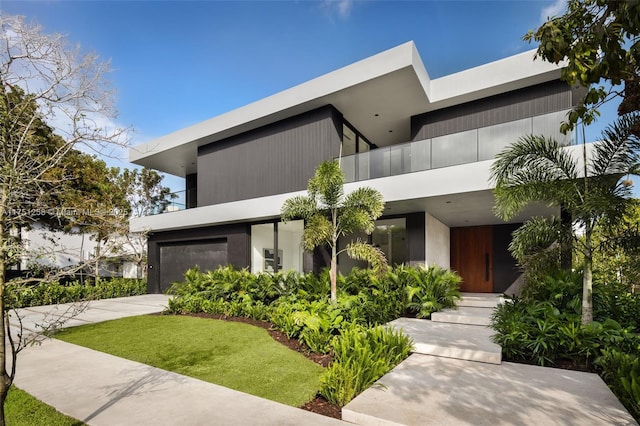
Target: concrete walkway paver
column 430, row 390
column 460, row 341
column 101, row 389
column 443, row 384
column 95, row 311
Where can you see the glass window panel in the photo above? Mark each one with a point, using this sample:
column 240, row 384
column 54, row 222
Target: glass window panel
column 420, row 155
column 290, row 245
column 390, row 235
column 493, row 139
column 399, row 159
column 378, row 163
column 456, row 148
column 362, row 145
column 549, row 125
column 348, row 166
column 363, row 166
column 348, row 141
column 395, row 160
column 261, row 243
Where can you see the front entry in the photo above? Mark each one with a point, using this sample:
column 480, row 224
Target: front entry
column 472, row 257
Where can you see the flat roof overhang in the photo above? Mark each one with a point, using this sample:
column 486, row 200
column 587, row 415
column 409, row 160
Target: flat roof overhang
column 378, row 95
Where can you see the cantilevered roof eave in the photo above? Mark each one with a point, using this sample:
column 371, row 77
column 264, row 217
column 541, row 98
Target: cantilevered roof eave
column 399, row 73
column 296, row 99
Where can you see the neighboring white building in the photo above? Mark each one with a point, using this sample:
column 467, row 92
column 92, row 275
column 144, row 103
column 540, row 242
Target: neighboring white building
column 426, row 144
column 70, row 250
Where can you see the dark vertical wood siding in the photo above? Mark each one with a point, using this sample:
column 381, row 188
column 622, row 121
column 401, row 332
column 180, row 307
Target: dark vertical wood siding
column 531, row 101
column 274, row 159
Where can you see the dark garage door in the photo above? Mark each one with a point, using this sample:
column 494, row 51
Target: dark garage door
column 177, row 258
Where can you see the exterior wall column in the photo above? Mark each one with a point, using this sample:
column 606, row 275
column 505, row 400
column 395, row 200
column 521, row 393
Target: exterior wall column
column 437, row 242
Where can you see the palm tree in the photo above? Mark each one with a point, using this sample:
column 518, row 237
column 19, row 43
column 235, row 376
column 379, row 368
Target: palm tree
column 593, row 191
column 330, row 214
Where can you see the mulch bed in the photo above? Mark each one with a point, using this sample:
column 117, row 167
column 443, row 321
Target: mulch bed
column 318, row 405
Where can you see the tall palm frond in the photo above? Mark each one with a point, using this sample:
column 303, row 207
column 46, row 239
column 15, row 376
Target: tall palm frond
column 533, row 168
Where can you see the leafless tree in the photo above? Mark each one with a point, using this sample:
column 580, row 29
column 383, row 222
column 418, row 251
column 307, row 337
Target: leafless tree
column 45, row 84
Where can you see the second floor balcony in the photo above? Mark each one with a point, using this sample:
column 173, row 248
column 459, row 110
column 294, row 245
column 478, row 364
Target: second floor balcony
column 470, row 146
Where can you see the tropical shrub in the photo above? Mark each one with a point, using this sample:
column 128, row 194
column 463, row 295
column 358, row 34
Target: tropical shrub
column 282, row 316
column 541, row 333
column 362, row 356
column 320, row 321
column 621, row 371
column 370, row 299
column 611, row 300
column 429, row 289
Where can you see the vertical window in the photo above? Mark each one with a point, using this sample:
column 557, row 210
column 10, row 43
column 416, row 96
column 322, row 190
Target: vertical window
column 349, row 141
column 290, row 245
column 277, row 247
column 390, row 236
column 262, row 247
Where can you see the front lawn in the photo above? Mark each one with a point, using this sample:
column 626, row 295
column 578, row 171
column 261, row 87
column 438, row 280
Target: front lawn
column 230, row 354
column 22, row 409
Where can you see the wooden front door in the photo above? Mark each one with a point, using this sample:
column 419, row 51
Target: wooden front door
column 472, row 257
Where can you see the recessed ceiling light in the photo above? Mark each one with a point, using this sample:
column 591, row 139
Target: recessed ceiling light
column 390, row 131
column 376, row 115
column 448, row 202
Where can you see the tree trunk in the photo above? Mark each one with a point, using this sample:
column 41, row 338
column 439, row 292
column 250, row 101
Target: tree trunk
column 5, row 379
column 587, row 279
column 566, row 246
column 333, row 273
column 97, row 277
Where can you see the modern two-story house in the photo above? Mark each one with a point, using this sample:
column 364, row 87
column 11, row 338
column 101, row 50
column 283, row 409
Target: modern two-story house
column 426, row 144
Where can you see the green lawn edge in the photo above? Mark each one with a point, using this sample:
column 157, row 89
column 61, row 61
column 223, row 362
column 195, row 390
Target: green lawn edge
column 22, row 409
column 234, row 355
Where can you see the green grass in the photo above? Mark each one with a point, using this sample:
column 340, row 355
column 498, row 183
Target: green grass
column 21, row 409
column 230, row 354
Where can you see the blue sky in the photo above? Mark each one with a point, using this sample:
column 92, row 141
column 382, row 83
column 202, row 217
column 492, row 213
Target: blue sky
column 178, row 63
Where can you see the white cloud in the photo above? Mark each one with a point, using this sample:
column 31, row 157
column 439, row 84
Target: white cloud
column 342, row 8
column 557, row 8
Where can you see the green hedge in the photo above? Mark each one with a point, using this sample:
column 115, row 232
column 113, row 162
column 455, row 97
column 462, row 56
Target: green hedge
column 54, row 293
